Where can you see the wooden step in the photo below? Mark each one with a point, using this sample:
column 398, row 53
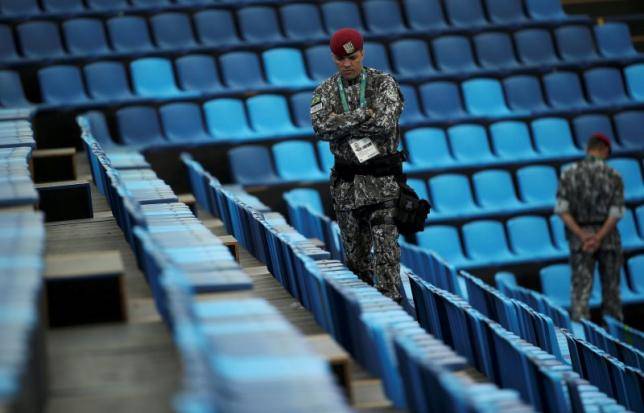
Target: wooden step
column 337, row 358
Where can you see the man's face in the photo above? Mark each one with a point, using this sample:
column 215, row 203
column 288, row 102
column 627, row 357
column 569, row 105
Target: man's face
column 349, row 66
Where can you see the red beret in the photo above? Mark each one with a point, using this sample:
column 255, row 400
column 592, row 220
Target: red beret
column 345, row 42
column 603, row 138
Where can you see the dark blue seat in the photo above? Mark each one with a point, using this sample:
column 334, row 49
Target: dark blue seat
column 11, row 92
column 537, row 185
column 375, row 55
column 383, row 17
column 564, row 91
column 241, row 70
column 319, row 62
column 107, row 81
column 7, row 44
column 107, row 5
column 640, row 219
column 530, row 238
column 636, row 272
column 302, row 21
column 40, row 40
column 470, row 144
column 451, row 196
column 536, row 47
column 427, row 148
column 629, row 129
column 129, row 34
column 411, row 58
column 295, row 160
column 614, row 40
column 605, row 86
column 285, row 67
column 631, row 174
column 545, row 10
column 495, row 191
column 183, row 122
column 139, row 125
column 494, row 50
column 586, row 125
column 99, row 128
column 559, row 233
column 85, row 36
column 340, row 14
column 634, row 75
column 159, row 4
column 153, row 77
column 198, row 73
column 216, row 28
column 486, row 244
column 524, row 94
column 575, row 43
column 484, row 97
column 628, row 231
column 19, row 7
column 62, row 85
column 63, row 6
column 444, row 241
column 172, row 31
column 301, row 109
column 425, row 15
column 442, row 101
column 251, row 165
column 305, row 197
column 506, row 12
column 227, row 119
column 269, row 116
column 411, row 112
column 259, row 24
column 511, row 141
column 553, row 138
column 465, row 13
column 453, row 54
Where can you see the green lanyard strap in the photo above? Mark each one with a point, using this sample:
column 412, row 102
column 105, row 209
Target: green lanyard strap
column 343, row 95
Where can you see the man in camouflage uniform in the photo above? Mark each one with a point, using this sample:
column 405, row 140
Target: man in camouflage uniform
column 357, row 111
column 590, row 200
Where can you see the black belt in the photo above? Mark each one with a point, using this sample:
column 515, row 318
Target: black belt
column 592, row 223
column 386, row 165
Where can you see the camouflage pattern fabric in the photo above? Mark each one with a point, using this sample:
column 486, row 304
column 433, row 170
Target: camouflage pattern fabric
column 583, row 265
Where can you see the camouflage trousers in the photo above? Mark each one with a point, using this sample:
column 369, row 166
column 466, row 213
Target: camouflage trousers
column 372, row 251
column 583, row 265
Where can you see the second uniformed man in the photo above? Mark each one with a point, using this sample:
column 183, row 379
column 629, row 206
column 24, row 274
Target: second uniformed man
column 357, row 111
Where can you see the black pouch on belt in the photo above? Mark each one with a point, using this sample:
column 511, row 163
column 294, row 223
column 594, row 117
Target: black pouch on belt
column 412, row 211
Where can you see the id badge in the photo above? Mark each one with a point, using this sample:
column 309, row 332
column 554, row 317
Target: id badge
column 364, row 149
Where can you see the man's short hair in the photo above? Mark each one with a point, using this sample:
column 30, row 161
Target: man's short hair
column 598, row 141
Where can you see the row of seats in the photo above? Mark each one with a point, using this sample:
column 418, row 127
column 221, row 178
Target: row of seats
column 624, row 332
column 16, row 185
column 624, row 352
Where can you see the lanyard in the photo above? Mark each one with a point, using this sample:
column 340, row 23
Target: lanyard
column 363, row 87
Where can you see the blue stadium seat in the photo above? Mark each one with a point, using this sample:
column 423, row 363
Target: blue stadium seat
column 586, row 125
column 495, row 191
column 183, row 122
column 100, row 130
column 530, row 238
column 465, row 13
column 545, row 10
column 628, row 231
column 575, row 43
column 495, row 51
column 269, row 116
column 19, row 7
column 326, row 157
column 425, row 15
column 129, row 34
column 634, row 75
column 605, row 86
column 629, row 129
column 411, row 58
column 251, row 165
column 485, row 242
column 302, row 22
column 194, row 2
column 640, row 219
column 452, row 196
column 216, row 28
column 553, row 138
column 107, row 81
column 636, row 273
column 7, row 44
column 375, row 55
column 160, row 4
column 536, row 47
column 340, row 14
column 241, row 70
column 511, row 141
column 442, row 101
column 139, row 125
column 198, row 73
column 427, row 148
column 226, row 119
column 524, row 94
column 172, row 31
column 11, row 91
column 296, row 161
column 564, row 90
column 153, row 77
column 411, row 111
column 62, row 85
column 445, row 241
column 470, row 144
column 40, row 40
column 259, row 24
column 614, row 40
column 63, row 6
column 85, row 36
column 285, row 67
column 484, row 97
column 383, row 17
column 630, row 170
column 556, row 284
column 453, row 54
column 301, row 107
column 107, row 5
column 418, row 185
column 538, row 186
column 305, row 196
column 505, row 12
column 559, row 233
column 319, row 62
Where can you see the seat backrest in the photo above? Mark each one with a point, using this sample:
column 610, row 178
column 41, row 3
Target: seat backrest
column 495, row 189
column 85, row 36
column 226, row 119
column 586, row 125
column 139, row 125
column 259, row 24
column 451, row 194
column 545, row 9
column 241, row 70
column 442, row 239
column 628, row 229
column 537, row 184
column 424, row 15
column 469, row 143
column 269, row 114
column 411, row 58
column 7, row 44
column 99, row 129
column 216, row 27
column 528, row 235
column 172, row 30
column 465, row 13
column 285, row 67
column 511, row 140
column 524, row 93
column 535, row 47
column 40, row 39
column 19, row 7
column 635, row 80
column 326, row 157
column 605, row 86
column 198, row 72
column 411, row 111
column 301, row 107
column 107, row 5
column 505, row 11
column 61, row 85
column 375, row 55
column 629, row 128
column 383, row 17
column 302, row 21
column 427, row 147
column 453, row 54
column 183, row 122
column 339, row 14
column 441, row 100
column 553, row 137
column 631, row 174
column 11, row 91
column 564, row 90
column 555, row 282
column 129, row 34
column 320, row 64
column 558, row 232
column 251, row 164
column 636, row 272
column 614, row 40
column 484, row 97
column 107, row 81
column 306, row 197
column 575, row 43
column 63, row 6
column 153, row 77
column 485, row 240
column 494, row 50
column 418, row 185
column 296, row 160
column 640, row 219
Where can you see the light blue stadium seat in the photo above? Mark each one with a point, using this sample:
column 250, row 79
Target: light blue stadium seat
column 485, row 243
column 628, row 231
column 495, row 191
column 553, row 138
column 340, row 14
column 425, row 15
column 442, row 101
column 301, row 107
column 198, row 73
column 62, row 85
column 495, row 51
column 375, row 55
column 470, row 144
column 285, row 67
column 634, row 75
column 269, row 116
column 411, row 111
column 107, row 5
column 307, row 197
column 11, row 91
column 530, row 238
column 129, row 34
column 63, row 6
column 556, row 284
column 19, row 7
column 411, row 58
column 427, row 148
column 326, row 157
column 465, row 13
column 445, row 241
column 295, row 160
column 538, row 185
column 524, row 94
column 241, row 70
column 451, row 196
column 614, row 40
column 605, row 86
column 575, row 43
column 536, row 47
column 484, row 97
column 302, row 21
column 505, row 12
column 40, row 39
column 153, row 77
column 564, row 90
column 319, row 62
column 636, row 272
column 383, row 17
column 100, row 130
column 226, row 119
column 454, row 54
column 150, row 3
column 172, row 31
column 505, row 280
column 630, row 170
column 545, row 10
column 629, row 129
column 85, row 36
column 107, row 81
column 183, row 122
column 418, row 185
column 139, row 125
column 216, row 28
column 586, row 125
column 640, row 219
column 559, row 233
column 7, row 44
column 259, row 24
column 511, row 141
column 251, row 165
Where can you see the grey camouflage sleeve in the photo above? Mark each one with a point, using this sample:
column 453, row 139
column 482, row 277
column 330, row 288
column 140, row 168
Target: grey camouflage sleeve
column 563, row 195
column 329, row 125
column 617, row 208
column 387, row 106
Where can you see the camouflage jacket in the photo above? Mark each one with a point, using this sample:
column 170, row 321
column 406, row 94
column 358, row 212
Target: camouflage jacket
column 378, row 121
column 591, row 191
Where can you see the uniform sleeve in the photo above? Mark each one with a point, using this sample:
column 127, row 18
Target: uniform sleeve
column 329, row 125
column 617, row 207
column 387, row 105
column 563, row 194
